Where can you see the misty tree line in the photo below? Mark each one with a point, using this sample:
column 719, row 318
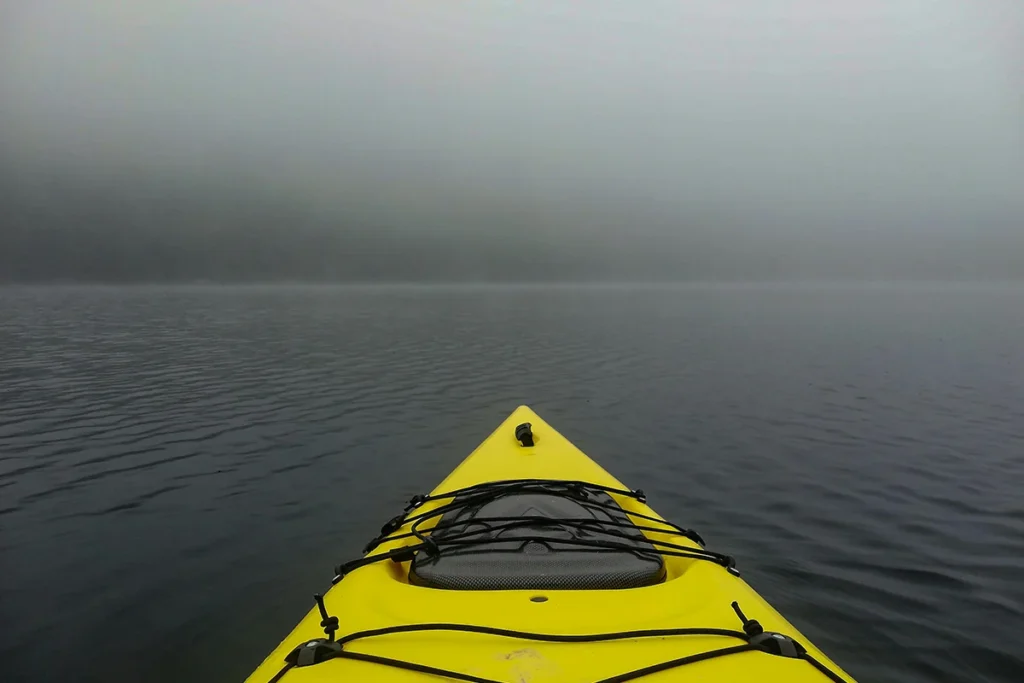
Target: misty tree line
column 73, row 227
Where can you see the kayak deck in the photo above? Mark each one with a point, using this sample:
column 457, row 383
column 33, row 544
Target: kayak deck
column 694, row 594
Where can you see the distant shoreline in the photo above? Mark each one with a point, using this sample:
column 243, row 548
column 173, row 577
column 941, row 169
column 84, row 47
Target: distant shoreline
column 518, row 284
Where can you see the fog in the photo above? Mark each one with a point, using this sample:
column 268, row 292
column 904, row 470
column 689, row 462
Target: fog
column 538, row 140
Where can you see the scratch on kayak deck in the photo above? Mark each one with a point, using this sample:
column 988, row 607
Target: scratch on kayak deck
column 527, row 664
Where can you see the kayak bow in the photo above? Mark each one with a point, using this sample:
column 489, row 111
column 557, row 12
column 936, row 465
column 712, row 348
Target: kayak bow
column 531, row 563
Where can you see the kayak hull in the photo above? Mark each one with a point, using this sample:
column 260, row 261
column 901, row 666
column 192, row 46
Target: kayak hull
column 695, row 594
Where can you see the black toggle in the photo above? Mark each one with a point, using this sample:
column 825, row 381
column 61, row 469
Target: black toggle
column 524, row 434
column 313, row 652
column 415, row 502
column 752, row 627
column 640, row 495
column 778, row 644
column 329, row 623
column 769, row 641
column 393, row 525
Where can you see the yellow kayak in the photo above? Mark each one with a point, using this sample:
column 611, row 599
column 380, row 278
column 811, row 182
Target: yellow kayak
column 531, row 563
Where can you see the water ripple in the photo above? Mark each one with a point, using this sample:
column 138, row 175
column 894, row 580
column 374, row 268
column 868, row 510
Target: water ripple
column 171, row 456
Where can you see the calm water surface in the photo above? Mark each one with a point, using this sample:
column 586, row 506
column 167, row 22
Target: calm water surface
column 180, row 468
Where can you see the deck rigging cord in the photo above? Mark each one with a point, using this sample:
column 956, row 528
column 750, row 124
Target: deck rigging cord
column 580, row 492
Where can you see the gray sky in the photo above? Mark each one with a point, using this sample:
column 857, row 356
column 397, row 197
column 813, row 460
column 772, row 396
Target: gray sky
column 672, row 122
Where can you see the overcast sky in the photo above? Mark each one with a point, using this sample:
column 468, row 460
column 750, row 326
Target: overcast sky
column 645, row 118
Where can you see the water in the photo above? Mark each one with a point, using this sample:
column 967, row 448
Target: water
column 180, row 468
